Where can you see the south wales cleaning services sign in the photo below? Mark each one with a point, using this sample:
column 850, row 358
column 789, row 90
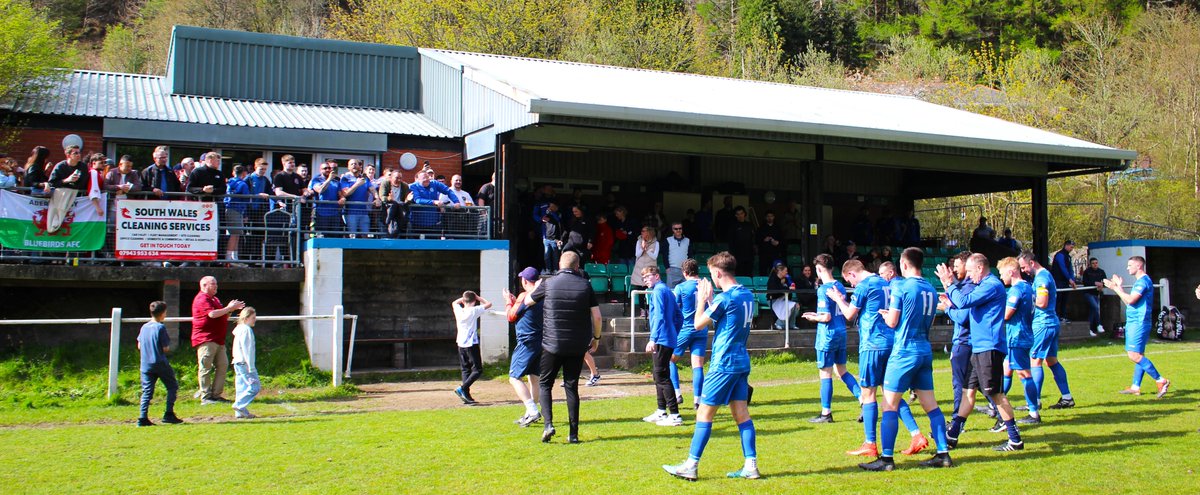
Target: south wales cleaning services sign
column 157, row 230
column 23, row 224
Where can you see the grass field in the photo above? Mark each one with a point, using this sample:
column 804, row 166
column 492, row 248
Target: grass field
column 1110, row 443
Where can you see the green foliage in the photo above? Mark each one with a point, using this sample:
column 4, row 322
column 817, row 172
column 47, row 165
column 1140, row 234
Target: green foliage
column 634, row 33
column 122, row 52
column 31, row 50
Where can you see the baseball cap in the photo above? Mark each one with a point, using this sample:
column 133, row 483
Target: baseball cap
column 1069, row 243
column 529, row 274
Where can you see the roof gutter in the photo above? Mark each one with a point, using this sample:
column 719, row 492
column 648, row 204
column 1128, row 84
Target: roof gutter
column 573, row 109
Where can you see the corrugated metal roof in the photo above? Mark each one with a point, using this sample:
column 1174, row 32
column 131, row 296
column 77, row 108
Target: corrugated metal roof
column 143, row 97
column 593, row 91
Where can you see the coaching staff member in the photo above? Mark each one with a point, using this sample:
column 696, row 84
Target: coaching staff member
column 570, row 328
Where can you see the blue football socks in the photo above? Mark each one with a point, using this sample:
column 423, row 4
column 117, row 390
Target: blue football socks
column 1138, row 371
column 698, row 383
column 906, row 416
column 1149, row 368
column 746, row 430
column 700, row 439
column 826, row 395
column 1031, row 398
column 888, row 428
column 1006, row 384
column 1014, row 436
column 674, row 376
column 1060, row 379
column 937, row 429
column 870, row 412
column 852, row 384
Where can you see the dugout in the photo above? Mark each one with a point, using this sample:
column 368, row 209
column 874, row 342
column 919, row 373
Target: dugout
column 649, row 136
column 1171, row 260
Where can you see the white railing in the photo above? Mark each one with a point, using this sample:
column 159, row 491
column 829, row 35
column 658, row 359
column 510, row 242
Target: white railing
column 115, row 321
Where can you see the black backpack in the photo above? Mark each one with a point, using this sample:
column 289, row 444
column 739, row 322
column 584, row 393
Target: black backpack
column 1170, row 324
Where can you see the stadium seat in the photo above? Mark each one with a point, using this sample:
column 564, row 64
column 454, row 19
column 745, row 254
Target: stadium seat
column 620, row 284
column 704, row 271
column 746, row 282
column 599, row 284
column 795, row 262
column 618, row 269
column 596, row 269
column 760, row 283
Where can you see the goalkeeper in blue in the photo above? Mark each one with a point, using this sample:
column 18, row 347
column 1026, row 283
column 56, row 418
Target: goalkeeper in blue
column 726, row 383
column 910, row 312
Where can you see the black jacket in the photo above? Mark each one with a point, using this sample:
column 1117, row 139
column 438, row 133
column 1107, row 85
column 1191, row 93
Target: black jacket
column 207, row 176
column 567, row 313
column 150, row 178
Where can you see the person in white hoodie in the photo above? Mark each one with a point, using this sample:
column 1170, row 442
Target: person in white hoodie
column 247, row 384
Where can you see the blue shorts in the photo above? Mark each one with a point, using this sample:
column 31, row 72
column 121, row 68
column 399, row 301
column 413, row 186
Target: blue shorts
column 1135, row 338
column 1045, row 345
column 1018, row 358
column 871, row 366
column 722, row 388
column 695, row 342
column 909, row 372
column 829, row 357
column 525, row 360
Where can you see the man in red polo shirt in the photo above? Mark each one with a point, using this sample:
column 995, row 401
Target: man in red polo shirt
column 210, row 322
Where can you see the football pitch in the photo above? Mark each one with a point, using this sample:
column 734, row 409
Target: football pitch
column 1109, row 443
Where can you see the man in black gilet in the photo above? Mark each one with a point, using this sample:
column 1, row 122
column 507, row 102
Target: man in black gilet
column 571, row 327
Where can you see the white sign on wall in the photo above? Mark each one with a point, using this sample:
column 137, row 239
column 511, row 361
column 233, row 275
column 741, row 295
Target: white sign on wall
column 157, row 230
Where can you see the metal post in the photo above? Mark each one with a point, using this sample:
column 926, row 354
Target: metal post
column 114, row 352
column 1165, row 293
column 1041, row 220
column 350, row 355
column 787, row 322
column 338, row 331
column 632, row 311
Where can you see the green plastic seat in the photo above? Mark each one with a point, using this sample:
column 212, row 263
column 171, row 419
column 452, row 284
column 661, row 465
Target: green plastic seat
column 594, row 269
column 599, row 285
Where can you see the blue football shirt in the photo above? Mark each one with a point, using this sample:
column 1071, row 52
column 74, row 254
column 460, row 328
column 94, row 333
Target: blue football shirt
column 685, row 299
column 1137, row 315
column 916, row 299
column 831, row 334
column 870, row 296
column 1045, row 318
column 1018, row 330
column 731, row 312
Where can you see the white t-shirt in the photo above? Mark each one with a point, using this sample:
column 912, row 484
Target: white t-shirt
column 463, row 197
column 467, row 318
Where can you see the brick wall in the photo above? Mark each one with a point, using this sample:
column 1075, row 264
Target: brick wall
column 93, row 142
column 444, row 162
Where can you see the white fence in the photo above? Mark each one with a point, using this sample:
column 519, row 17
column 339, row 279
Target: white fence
column 114, row 343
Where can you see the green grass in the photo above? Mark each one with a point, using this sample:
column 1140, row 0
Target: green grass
column 1110, row 443
column 69, row 383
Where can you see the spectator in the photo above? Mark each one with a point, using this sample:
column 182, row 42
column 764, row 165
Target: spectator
column 95, row 180
column 210, row 322
column 464, row 198
column 602, row 245
column 426, row 192
column 577, row 200
column 741, row 242
column 850, row 253
column 551, row 236
column 654, row 219
column 873, row 261
column 807, row 281
column 571, row 316
column 36, row 177
column 1008, row 241
column 302, row 171
column 984, row 231
column 153, row 343
column 207, row 181
column 723, row 222
column 467, row 310
column 356, row 190
column 770, row 244
column 886, row 230
column 885, row 255
column 646, row 253
column 158, row 178
column 578, row 237
column 1064, row 276
column 784, row 308
column 183, row 169
column 487, row 193
column 246, row 384
column 676, row 249
column 236, row 206
column 624, row 236
column 289, row 183
column 1093, row 276
column 122, row 181
column 326, row 188
column 71, row 173
column 394, row 192
column 259, row 184
column 8, row 173
column 831, row 246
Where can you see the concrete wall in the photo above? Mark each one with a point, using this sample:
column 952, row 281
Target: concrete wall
column 401, row 291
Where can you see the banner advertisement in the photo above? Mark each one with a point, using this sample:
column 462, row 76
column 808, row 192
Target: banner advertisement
column 160, row 230
column 23, row 224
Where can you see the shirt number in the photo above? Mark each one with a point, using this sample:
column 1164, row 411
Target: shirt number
column 928, row 303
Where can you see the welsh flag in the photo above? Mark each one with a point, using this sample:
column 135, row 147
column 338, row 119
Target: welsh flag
column 23, row 224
